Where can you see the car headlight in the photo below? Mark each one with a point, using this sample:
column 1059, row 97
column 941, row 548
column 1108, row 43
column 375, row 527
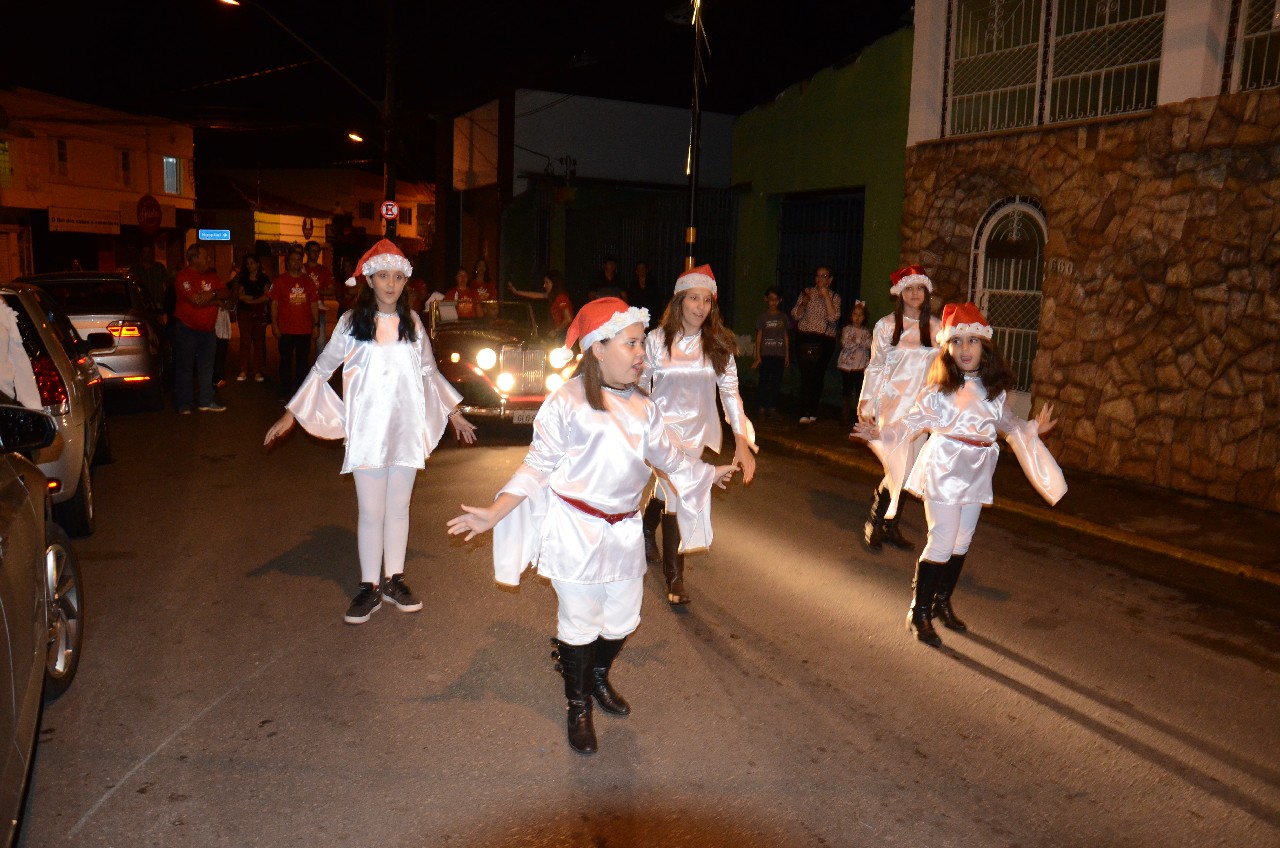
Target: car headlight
column 554, row 381
column 486, row 358
column 506, row 381
column 559, row 357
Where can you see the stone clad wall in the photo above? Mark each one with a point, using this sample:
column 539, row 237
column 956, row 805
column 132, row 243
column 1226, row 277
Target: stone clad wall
column 1160, row 325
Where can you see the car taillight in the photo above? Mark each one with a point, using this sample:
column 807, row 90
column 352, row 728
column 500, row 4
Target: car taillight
column 127, row 329
column 55, row 485
column 53, row 391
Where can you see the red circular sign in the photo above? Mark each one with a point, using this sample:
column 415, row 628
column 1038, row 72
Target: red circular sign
column 150, row 215
column 390, row 210
column 308, row 227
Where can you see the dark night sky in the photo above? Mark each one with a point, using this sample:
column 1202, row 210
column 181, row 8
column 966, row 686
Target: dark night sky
column 257, row 96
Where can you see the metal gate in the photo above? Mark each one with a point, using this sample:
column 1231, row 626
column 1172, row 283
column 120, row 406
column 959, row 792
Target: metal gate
column 1008, row 275
column 825, row 230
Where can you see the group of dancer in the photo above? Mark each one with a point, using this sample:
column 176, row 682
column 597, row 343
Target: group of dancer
column 958, row 392
column 631, row 424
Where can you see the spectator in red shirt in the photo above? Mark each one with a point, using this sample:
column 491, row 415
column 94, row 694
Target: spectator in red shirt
column 464, row 295
column 295, row 319
column 484, row 287
column 323, row 279
column 197, row 292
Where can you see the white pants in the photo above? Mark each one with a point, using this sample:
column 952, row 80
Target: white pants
column 382, row 532
column 950, row 529
column 588, row 610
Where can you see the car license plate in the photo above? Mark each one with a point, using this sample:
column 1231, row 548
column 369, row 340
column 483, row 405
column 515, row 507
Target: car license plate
column 524, row 416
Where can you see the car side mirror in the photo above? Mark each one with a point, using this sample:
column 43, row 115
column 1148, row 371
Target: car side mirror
column 23, row 429
column 100, row 341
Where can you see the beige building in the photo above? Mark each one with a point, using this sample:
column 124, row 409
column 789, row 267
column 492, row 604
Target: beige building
column 72, row 176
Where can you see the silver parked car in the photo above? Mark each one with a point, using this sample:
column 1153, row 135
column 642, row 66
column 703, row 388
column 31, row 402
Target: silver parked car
column 71, row 392
column 42, row 600
column 116, row 304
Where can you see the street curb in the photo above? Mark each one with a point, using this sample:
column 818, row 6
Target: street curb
column 1043, row 515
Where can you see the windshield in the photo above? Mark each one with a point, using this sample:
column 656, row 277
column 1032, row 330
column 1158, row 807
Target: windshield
column 79, row 297
column 515, row 318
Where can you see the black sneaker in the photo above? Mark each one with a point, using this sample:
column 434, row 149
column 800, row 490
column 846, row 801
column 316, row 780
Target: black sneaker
column 395, row 590
column 364, row 604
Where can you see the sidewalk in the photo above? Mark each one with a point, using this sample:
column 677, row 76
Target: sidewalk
column 1210, row 534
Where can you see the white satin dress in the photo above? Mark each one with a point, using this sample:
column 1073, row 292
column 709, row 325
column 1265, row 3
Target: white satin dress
column 950, row 468
column 893, row 382
column 395, row 403
column 601, row 458
column 684, row 385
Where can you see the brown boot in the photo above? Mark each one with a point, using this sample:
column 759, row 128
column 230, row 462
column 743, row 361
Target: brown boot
column 673, row 561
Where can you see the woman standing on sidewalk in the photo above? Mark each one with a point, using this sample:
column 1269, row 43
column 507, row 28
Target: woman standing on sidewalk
column 688, row 359
column 817, row 314
column 965, row 409
column 255, row 314
column 901, row 353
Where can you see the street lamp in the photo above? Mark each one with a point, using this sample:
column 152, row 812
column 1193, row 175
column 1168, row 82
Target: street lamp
column 383, row 106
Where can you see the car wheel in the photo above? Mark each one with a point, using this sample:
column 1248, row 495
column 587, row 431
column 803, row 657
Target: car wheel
column 65, row 597
column 76, row 515
column 102, row 453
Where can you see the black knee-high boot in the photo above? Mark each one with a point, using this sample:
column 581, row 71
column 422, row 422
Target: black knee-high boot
column 873, row 530
column 924, row 586
column 606, row 696
column 942, row 597
column 574, row 665
column 894, row 536
column 649, row 523
column 673, row 561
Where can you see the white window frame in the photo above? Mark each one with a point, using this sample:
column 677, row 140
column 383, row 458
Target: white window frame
column 173, row 177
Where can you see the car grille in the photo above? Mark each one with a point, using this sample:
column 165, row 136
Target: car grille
column 528, row 366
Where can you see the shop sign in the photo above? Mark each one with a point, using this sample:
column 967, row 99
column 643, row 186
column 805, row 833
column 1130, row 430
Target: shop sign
column 103, row 222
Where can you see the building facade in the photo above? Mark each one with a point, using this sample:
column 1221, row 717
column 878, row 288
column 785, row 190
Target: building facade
column 1102, row 179
column 73, row 178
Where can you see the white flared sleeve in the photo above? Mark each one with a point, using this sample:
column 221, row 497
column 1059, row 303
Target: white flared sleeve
column 439, row 395
column 691, row 480
column 316, row 406
column 873, row 376
column 1037, row 463
column 731, row 399
column 16, row 373
column 893, row 448
column 654, row 345
column 517, row 536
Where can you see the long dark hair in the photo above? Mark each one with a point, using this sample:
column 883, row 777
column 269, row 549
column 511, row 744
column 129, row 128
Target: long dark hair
column 557, row 284
column 475, row 277
column 926, row 337
column 244, row 266
column 718, row 343
column 992, row 370
column 363, row 315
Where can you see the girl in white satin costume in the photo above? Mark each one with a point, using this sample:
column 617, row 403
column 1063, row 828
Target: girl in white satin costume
column 392, row 413
column 901, row 353
column 965, row 409
column 572, row 508
column 688, row 361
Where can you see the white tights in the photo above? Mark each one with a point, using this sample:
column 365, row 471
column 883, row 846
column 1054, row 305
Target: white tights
column 950, row 529
column 382, row 532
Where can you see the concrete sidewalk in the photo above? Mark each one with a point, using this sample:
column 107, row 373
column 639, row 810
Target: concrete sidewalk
column 1210, row 534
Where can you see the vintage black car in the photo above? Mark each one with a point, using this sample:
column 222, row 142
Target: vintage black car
column 495, row 357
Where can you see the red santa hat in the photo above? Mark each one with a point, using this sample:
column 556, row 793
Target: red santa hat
column 912, row 275
column 602, row 319
column 700, row 277
column 962, row 318
column 383, row 256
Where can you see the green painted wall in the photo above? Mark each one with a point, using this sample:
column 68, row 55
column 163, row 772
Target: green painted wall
column 846, row 128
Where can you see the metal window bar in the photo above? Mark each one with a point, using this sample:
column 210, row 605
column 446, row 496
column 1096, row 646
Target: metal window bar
column 994, row 67
column 816, row 231
column 1105, row 57
column 6, row 167
column 1009, row 291
column 1232, row 48
column 1260, row 45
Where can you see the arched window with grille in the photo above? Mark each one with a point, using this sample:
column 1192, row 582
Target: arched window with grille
column 1006, row 284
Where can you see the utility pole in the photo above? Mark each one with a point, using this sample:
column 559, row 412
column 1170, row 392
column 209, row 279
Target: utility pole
column 388, row 160
column 695, row 136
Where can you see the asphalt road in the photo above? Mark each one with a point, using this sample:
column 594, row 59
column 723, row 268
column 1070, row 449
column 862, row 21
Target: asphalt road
column 222, row 701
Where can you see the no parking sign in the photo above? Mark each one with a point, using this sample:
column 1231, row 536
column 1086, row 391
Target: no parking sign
column 390, row 210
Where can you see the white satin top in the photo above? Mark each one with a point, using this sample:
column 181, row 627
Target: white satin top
column 601, row 458
column 950, row 471
column 395, row 403
column 683, row 383
column 896, row 374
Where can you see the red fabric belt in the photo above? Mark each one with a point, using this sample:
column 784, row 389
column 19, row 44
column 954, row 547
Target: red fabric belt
column 611, row 517
column 977, row 443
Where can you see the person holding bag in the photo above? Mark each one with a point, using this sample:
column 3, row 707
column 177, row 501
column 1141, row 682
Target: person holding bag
column 816, row 313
